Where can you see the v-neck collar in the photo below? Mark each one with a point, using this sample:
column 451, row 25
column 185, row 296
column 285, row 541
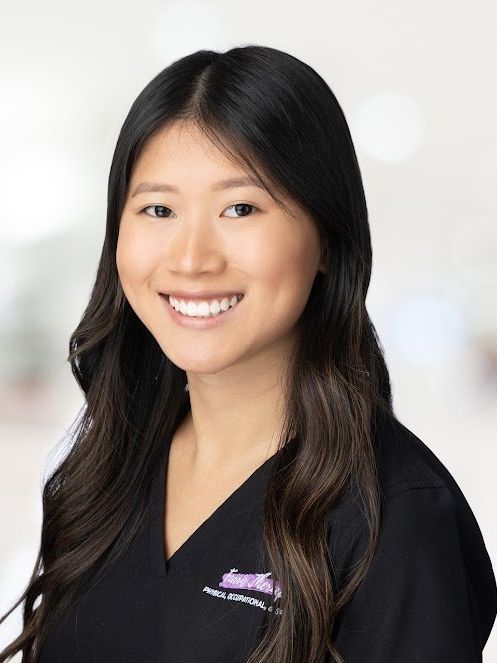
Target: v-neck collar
column 247, row 495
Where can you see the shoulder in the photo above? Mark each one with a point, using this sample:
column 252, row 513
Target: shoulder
column 404, row 464
column 418, row 493
column 420, row 497
column 431, row 554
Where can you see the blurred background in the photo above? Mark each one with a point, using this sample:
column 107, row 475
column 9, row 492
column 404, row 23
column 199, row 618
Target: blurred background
column 414, row 81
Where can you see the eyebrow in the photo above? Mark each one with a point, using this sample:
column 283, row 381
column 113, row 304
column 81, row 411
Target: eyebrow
column 229, row 183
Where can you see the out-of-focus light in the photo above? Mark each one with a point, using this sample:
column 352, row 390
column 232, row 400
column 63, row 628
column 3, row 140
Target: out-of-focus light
column 472, row 247
column 42, row 190
column 388, row 127
column 426, row 328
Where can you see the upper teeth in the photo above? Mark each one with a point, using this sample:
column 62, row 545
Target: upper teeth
column 203, row 308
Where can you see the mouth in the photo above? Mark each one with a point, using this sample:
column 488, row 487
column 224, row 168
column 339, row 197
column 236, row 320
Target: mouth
column 225, row 305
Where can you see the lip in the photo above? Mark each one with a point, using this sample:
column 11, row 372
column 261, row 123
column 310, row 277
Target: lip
column 198, row 323
column 197, row 296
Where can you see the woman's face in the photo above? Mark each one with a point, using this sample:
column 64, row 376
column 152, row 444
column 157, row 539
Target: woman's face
column 201, row 238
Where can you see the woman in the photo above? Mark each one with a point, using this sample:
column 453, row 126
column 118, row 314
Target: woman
column 239, row 488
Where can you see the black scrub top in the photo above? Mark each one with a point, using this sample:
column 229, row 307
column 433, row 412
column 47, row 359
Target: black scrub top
column 429, row 596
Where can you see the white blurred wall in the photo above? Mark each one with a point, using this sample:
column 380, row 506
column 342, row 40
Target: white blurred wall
column 415, row 83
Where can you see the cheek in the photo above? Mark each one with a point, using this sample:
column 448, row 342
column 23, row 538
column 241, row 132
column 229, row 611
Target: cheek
column 282, row 266
column 134, row 257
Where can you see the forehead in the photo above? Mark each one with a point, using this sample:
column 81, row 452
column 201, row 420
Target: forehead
column 181, row 144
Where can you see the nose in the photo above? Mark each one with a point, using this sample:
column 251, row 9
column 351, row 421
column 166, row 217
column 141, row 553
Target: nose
column 195, row 248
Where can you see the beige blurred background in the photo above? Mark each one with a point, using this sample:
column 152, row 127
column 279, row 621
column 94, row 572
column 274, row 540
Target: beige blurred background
column 417, row 84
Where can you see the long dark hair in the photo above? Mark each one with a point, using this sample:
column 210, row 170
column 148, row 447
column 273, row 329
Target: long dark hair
column 277, row 118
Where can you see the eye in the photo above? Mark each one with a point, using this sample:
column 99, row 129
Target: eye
column 243, row 206
column 155, row 207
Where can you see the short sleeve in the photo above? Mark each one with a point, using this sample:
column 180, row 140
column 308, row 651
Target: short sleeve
column 417, row 602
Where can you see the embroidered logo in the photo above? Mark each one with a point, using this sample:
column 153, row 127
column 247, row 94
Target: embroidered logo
column 260, row 582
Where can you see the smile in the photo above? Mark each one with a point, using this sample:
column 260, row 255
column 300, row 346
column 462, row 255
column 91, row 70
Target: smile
column 201, row 315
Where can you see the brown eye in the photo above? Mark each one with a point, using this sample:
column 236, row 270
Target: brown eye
column 161, row 211
column 242, row 207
